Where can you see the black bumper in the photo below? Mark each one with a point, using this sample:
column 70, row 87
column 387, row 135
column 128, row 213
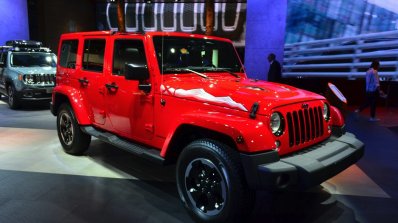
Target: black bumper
column 301, row 170
column 35, row 94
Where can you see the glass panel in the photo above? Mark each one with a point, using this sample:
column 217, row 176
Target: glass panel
column 93, row 55
column 68, row 54
column 30, row 59
column 127, row 52
column 177, row 54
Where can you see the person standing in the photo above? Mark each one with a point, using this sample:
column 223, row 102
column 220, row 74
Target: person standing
column 275, row 69
column 372, row 90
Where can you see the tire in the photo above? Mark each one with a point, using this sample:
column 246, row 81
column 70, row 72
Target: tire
column 73, row 140
column 211, row 183
column 13, row 100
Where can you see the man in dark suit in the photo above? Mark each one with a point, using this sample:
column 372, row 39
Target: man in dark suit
column 275, row 70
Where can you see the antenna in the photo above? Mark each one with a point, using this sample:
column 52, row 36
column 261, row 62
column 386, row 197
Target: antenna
column 161, row 75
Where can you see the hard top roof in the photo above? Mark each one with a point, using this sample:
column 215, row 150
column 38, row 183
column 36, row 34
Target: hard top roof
column 149, row 34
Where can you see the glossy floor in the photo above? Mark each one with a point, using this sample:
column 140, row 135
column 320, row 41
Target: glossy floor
column 40, row 183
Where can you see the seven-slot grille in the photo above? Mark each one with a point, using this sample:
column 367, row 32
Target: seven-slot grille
column 39, row 78
column 304, row 125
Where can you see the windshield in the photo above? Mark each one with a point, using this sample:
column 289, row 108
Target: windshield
column 28, row 59
column 181, row 54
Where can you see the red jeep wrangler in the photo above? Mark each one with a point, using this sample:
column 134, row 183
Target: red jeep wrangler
column 174, row 97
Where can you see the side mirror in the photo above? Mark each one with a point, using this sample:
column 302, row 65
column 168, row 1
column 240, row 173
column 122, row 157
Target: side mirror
column 139, row 73
column 136, row 72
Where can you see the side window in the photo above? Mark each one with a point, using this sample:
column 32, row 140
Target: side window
column 3, row 58
column 68, row 54
column 93, row 55
column 2, row 64
column 127, row 52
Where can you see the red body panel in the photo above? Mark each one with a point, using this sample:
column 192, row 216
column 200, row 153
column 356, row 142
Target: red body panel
column 77, row 101
column 337, row 117
column 220, row 103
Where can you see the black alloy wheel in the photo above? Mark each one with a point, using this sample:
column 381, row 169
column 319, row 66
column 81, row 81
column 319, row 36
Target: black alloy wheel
column 73, row 140
column 211, row 182
column 66, row 128
column 206, row 186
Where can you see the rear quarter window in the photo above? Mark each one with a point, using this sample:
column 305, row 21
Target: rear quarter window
column 68, row 54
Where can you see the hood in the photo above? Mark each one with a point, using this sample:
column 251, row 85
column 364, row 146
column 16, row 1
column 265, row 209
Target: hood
column 235, row 93
column 34, row 70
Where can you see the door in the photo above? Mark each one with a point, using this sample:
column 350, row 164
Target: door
column 129, row 109
column 90, row 78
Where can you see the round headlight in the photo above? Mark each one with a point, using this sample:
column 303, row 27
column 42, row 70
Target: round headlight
column 276, row 124
column 326, row 112
column 29, row 79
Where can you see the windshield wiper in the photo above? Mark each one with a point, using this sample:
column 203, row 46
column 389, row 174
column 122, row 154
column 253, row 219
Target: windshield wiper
column 179, row 69
column 195, row 72
column 223, row 69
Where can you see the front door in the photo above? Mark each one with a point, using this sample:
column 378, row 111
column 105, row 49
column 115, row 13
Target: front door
column 129, row 109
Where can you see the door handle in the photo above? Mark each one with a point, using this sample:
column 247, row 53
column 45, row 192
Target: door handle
column 112, row 87
column 83, row 81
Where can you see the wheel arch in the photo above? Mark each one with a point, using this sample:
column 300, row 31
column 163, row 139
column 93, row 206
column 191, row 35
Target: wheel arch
column 187, row 133
column 74, row 99
column 8, row 83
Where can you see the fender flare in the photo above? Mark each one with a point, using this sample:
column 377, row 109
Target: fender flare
column 337, row 118
column 76, row 100
column 228, row 125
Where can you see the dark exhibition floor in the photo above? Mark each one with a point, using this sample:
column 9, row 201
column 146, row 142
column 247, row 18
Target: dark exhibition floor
column 40, row 183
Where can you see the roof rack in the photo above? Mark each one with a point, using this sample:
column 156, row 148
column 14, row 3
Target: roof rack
column 5, row 47
column 24, row 43
column 24, row 46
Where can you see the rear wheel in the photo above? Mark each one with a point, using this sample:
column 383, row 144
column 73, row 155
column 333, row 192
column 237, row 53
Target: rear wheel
column 72, row 138
column 13, row 100
column 211, row 183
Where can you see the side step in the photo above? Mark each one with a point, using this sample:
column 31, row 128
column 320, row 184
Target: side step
column 139, row 150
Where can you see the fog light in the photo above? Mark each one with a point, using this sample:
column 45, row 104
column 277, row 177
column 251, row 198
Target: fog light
column 277, row 144
column 282, row 181
column 28, row 94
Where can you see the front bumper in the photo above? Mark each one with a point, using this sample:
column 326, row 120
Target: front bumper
column 304, row 169
column 35, row 93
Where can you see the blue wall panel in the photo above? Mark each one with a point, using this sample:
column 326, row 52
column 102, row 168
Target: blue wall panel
column 14, row 20
column 265, row 33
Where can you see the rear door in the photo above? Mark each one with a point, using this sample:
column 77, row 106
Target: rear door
column 90, row 77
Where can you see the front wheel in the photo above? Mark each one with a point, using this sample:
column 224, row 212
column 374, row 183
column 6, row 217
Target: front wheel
column 211, row 183
column 13, row 100
column 72, row 138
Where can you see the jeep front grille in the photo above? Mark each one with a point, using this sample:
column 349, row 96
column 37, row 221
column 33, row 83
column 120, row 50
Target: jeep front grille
column 39, row 79
column 304, row 125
